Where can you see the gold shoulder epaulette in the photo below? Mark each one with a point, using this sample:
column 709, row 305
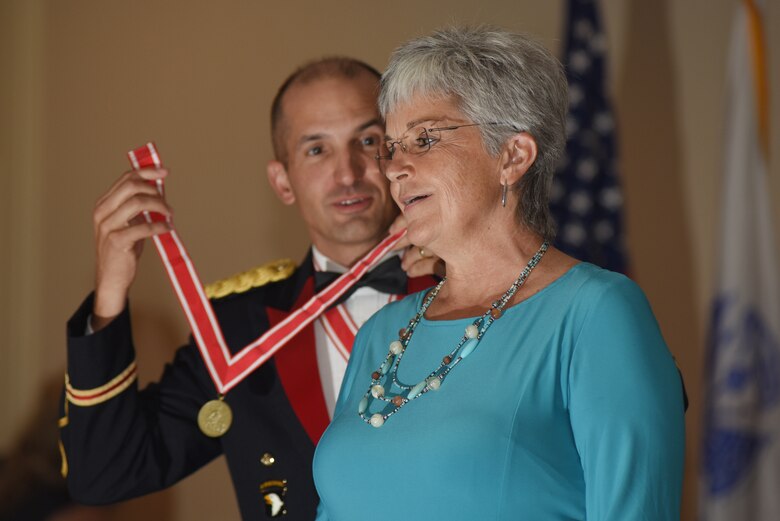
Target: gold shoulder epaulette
column 259, row 276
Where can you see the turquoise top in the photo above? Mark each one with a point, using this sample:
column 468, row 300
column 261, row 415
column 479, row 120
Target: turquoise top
column 570, row 408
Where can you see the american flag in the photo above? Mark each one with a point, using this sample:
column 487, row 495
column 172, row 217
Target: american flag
column 586, row 200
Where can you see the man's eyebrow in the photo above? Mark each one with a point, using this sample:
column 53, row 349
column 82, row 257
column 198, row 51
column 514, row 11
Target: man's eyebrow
column 310, row 137
column 306, row 138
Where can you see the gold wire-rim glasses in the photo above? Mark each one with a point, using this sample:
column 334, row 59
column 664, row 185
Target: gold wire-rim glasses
column 425, row 141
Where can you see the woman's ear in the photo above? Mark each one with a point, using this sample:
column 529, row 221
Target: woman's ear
column 517, row 156
column 280, row 182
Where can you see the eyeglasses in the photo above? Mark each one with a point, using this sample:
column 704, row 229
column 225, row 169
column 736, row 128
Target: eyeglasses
column 418, row 141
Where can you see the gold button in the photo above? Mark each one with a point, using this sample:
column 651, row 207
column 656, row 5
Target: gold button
column 267, row 459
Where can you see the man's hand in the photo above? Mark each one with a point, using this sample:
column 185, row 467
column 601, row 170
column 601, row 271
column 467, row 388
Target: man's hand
column 120, row 231
column 416, row 261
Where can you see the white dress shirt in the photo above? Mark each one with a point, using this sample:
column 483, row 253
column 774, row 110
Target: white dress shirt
column 363, row 303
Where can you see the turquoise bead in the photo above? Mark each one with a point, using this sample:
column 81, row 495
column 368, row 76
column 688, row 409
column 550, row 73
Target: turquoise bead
column 468, row 347
column 386, row 366
column 363, row 405
column 417, row 389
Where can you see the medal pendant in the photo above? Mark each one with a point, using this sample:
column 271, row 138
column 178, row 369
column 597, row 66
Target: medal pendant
column 214, row 418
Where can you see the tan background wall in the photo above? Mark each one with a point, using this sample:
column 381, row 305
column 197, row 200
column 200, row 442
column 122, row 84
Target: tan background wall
column 84, row 80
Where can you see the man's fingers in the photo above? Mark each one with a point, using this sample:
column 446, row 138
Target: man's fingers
column 121, row 196
column 126, row 214
column 416, row 262
column 398, row 225
column 129, row 183
column 414, row 254
column 125, row 239
column 152, row 174
column 426, row 266
column 147, row 174
column 120, row 233
column 111, row 189
column 403, row 242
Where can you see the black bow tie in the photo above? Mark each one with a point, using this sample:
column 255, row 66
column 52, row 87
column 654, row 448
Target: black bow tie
column 387, row 277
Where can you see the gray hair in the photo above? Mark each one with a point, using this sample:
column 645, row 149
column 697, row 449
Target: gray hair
column 496, row 76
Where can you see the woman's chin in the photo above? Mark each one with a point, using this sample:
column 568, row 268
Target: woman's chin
column 418, row 234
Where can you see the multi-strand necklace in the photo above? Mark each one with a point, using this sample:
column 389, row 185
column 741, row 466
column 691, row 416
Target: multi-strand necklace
column 384, row 381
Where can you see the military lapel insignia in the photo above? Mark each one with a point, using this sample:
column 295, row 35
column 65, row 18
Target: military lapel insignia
column 268, row 459
column 274, row 494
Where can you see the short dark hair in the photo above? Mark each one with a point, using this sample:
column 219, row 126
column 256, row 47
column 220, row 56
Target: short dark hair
column 328, row 67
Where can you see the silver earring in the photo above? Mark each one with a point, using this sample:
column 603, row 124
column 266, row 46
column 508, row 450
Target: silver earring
column 503, row 195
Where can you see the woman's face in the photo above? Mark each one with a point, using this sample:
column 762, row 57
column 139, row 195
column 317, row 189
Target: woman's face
column 449, row 192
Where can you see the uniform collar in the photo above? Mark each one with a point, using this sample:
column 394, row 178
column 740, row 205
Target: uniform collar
column 322, row 262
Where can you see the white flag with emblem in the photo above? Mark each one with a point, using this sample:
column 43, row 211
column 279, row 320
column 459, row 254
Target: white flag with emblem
column 740, row 474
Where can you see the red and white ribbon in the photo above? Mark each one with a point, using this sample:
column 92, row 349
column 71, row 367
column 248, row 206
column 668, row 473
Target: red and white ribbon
column 341, row 328
column 228, row 370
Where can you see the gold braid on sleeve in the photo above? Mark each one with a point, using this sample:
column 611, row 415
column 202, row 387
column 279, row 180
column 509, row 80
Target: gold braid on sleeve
column 261, row 275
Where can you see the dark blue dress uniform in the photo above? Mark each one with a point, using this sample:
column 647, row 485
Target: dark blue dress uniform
column 119, row 442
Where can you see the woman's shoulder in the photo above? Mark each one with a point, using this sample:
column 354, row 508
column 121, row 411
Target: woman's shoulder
column 593, row 284
column 611, row 302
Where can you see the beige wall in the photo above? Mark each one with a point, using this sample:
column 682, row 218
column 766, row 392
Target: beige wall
column 84, row 80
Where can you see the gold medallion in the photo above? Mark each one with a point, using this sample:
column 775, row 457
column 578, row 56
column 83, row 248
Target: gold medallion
column 214, row 418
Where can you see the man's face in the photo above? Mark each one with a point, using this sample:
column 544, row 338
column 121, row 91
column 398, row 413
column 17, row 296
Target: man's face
column 331, row 130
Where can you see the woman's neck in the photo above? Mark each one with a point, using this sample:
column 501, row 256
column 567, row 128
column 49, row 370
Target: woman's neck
column 480, row 270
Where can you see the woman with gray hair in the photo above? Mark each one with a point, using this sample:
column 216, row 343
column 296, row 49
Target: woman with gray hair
column 526, row 385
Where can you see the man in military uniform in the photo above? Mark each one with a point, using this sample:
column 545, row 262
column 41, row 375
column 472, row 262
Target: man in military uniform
column 120, row 442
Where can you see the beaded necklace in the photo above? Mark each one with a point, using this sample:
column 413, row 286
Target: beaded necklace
column 397, row 394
